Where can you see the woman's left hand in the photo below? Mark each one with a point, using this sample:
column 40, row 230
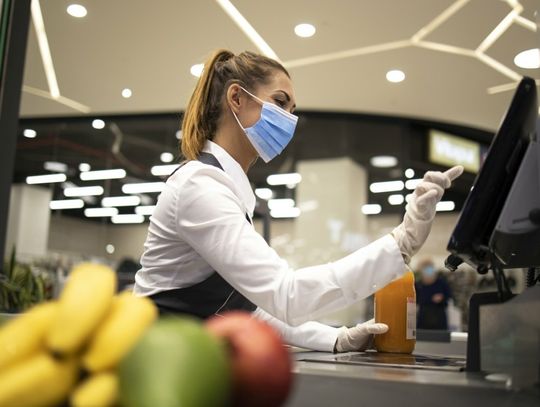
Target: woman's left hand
column 358, row 338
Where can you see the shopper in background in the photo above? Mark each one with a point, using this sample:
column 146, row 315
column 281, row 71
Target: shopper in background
column 202, row 254
column 432, row 295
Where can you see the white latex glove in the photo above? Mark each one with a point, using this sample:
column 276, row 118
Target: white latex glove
column 358, row 338
column 411, row 234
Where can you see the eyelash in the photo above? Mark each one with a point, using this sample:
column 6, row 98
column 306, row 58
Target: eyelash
column 280, row 102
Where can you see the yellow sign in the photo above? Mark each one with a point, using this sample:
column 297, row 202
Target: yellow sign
column 449, row 150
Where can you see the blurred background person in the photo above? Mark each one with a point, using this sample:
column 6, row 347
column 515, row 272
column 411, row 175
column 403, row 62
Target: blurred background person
column 432, row 295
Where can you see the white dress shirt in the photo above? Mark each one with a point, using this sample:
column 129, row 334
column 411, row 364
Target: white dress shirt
column 199, row 225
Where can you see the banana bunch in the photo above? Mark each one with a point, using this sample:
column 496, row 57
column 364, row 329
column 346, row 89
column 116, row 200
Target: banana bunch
column 70, row 348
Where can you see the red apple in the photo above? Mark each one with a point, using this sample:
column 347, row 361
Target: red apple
column 261, row 364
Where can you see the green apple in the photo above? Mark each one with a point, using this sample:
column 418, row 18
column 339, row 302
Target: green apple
column 176, row 363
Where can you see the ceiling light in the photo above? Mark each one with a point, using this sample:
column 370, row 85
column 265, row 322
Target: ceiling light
column 529, row 59
column 280, row 203
column 126, row 93
column 285, row 213
column 383, row 161
column 409, row 173
column 76, row 10
column 179, row 134
column 408, row 198
column 371, row 209
column 83, row 191
column 143, row 187
column 163, row 170
column 396, row 199
column 84, row 167
column 98, row 124
column 305, row 30
column 445, row 206
column 412, row 183
column 100, row 212
column 197, row 70
column 45, row 179
column 66, row 204
column 264, row 193
column 386, row 186
column 284, row 179
column 130, row 218
column 145, row 209
column 103, row 174
column 29, row 133
column 395, row 76
column 55, row 166
column 132, row 200
column 166, row 157
column 109, row 248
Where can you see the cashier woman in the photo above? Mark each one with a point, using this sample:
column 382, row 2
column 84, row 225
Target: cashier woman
column 202, row 255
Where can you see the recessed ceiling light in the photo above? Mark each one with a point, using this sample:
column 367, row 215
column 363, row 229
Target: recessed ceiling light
column 305, row 30
column 126, row 93
column 166, row 157
column 84, row 167
column 395, row 76
column 109, row 248
column 528, row 59
column 409, row 173
column 197, row 70
column 98, row 124
column 76, row 10
column 179, row 134
column 29, row 133
column 383, row 161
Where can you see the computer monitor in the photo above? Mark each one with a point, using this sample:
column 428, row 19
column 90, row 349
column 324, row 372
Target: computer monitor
column 504, row 186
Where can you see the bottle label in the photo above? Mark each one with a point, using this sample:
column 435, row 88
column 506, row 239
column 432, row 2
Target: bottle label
column 411, row 318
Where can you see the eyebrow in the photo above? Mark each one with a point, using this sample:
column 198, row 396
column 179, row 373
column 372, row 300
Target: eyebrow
column 287, row 97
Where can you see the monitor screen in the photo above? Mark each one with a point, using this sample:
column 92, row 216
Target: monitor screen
column 470, row 240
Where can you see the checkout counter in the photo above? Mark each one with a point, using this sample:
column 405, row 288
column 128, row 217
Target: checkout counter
column 364, row 379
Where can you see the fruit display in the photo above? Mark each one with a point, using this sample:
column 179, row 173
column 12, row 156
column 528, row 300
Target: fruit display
column 92, row 347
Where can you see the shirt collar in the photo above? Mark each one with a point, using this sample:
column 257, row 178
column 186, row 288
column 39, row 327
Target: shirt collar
column 235, row 171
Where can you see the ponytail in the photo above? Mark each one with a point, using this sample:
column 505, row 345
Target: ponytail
column 203, row 111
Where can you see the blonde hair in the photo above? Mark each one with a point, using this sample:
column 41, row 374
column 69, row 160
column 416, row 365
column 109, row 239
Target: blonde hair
column 221, row 70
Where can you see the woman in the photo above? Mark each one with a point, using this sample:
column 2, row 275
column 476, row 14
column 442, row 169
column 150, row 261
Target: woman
column 202, row 255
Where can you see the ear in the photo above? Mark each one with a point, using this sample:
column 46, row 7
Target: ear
column 234, row 97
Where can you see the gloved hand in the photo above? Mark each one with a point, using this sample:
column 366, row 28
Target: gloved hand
column 411, row 234
column 358, row 338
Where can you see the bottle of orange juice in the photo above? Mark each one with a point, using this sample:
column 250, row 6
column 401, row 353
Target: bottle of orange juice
column 395, row 306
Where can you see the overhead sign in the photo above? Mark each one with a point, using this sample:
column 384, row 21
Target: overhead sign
column 449, row 150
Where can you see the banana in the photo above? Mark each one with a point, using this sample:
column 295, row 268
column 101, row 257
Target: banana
column 25, row 335
column 99, row 390
column 83, row 304
column 128, row 320
column 38, row 381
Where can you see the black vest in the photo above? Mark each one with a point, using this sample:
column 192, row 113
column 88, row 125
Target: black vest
column 209, row 297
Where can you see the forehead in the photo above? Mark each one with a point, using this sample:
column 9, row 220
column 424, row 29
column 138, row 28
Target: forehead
column 280, row 81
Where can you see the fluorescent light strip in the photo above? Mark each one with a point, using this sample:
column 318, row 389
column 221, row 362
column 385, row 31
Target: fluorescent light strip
column 37, row 19
column 412, row 183
column 280, row 203
column 450, row 49
column 528, row 24
column 247, row 28
column 60, row 99
column 132, row 200
column 371, row 209
column 129, row 218
column 498, row 66
column 103, row 174
column 145, row 209
column 163, row 170
column 84, row 191
column 55, row 166
column 143, row 187
column 396, row 199
column 284, row 179
column 264, row 193
column 494, row 35
column 285, row 213
column 66, row 204
column 100, row 212
column 45, row 179
column 437, row 21
column 445, row 206
column 386, row 186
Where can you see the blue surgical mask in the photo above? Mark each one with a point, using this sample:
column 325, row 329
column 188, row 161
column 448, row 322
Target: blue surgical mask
column 272, row 132
column 428, row 271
